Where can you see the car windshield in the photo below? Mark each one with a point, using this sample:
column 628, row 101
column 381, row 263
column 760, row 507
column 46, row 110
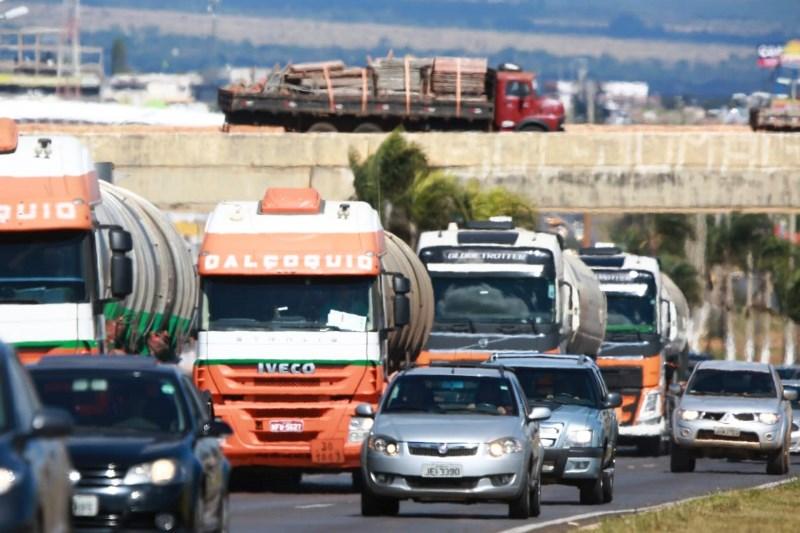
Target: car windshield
column 558, row 385
column 444, row 394
column 494, row 300
column 321, row 303
column 43, row 267
column 706, row 381
column 120, row 401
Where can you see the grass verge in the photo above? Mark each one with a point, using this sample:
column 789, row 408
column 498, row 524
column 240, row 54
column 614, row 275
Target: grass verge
column 774, row 510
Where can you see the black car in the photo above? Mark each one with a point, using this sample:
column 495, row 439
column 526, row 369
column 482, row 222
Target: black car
column 35, row 487
column 145, row 445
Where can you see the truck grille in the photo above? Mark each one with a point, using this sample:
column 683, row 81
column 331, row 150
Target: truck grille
column 618, row 378
column 432, row 449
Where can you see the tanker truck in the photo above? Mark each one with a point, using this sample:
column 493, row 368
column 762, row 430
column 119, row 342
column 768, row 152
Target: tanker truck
column 500, row 288
column 646, row 344
column 85, row 267
column 307, row 306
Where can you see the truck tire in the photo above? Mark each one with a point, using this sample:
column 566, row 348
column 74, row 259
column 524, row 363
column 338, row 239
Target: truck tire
column 533, row 128
column 322, row 127
column 368, row 127
column 680, row 460
column 374, row 505
column 591, row 491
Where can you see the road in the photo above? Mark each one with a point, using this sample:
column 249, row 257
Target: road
column 327, row 502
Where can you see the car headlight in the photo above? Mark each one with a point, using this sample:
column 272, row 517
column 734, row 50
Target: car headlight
column 689, row 415
column 581, row 437
column 504, row 446
column 7, row 480
column 768, row 418
column 158, row 472
column 359, row 428
column 383, row 445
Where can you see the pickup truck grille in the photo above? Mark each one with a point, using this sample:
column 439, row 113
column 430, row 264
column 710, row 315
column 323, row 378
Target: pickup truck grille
column 744, row 436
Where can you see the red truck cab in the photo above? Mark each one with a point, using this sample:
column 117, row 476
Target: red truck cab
column 518, row 106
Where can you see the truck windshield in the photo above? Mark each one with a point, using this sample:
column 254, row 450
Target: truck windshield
column 494, row 300
column 322, row 303
column 44, row 267
column 442, row 394
column 630, row 314
column 558, row 385
column 707, row 381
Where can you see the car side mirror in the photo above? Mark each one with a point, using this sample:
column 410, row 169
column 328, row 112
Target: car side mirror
column 402, row 310
column 217, row 428
column 365, row 410
column 676, row 389
column 51, row 423
column 209, row 402
column 613, row 400
column 539, row 413
column 790, row 395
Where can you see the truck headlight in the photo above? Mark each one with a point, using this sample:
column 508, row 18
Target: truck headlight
column 651, row 407
column 383, row 445
column 158, row 472
column 359, row 428
column 7, row 480
column 768, row 418
column 581, row 437
column 689, row 415
column 504, row 446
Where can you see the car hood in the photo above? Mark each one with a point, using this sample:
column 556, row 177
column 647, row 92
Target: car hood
column 122, row 451
column 448, row 428
column 579, row 415
column 729, row 404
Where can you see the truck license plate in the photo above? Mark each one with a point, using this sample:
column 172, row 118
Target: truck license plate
column 327, row 451
column 286, row 426
column 726, row 432
column 441, row 470
column 85, row 505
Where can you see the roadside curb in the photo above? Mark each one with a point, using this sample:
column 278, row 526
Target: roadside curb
column 603, row 514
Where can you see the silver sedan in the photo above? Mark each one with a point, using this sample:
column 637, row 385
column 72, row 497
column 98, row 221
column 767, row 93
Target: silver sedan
column 453, row 434
column 735, row 410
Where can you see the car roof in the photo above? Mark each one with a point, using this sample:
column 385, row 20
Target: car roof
column 540, row 360
column 456, row 370
column 104, row 362
column 734, row 365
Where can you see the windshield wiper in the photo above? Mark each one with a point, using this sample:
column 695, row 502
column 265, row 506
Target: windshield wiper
column 459, row 327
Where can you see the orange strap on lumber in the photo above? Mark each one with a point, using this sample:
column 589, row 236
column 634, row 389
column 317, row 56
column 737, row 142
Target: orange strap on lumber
column 407, row 83
column 458, row 86
column 331, row 100
column 364, row 90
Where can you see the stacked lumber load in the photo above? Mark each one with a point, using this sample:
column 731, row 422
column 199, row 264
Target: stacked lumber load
column 390, row 74
column 314, row 78
column 460, row 76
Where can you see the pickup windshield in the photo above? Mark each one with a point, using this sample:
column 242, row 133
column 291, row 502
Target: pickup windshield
column 320, row 303
column 44, row 267
column 493, row 300
column 451, row 394
column 559, row 386
column 732, row 383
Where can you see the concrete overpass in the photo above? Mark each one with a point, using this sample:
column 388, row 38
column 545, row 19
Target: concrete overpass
column 687, row 171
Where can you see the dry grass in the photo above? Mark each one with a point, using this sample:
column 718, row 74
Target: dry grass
column 774, row 510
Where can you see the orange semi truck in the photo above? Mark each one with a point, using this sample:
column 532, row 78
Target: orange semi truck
column 645, row 346
column 306, row 307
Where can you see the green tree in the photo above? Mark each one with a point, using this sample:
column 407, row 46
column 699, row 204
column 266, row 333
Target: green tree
column 119, row 56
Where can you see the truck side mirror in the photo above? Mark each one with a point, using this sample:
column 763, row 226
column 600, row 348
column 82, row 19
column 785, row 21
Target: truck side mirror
column 120, row 241
column 121, row 276
column 402, row 310
column 401, row 284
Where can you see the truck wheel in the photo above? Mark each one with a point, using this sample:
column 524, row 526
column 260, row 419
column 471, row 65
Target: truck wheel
column 778, row 464
column 322, row 127
column 608, row 486
column 374, row 505
column 680, row 460
column 591, row 491
column 520, row 507
column 368, row 127
column 533, row 128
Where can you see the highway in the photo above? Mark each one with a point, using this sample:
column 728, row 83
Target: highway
column 328, row 503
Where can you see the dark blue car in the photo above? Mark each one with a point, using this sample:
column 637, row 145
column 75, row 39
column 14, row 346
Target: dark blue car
column 35, row 487
column 145, row 445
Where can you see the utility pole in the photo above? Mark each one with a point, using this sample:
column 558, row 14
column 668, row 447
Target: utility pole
column 766, row 349
column 69, row 50
column 730, row 319
column 788, row 328
column 749, row 326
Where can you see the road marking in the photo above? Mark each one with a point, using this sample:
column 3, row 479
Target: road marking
column 314, row 506
column 597, row 514
column 649, row 465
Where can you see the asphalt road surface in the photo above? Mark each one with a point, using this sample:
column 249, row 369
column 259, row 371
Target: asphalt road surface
column 328, row 503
